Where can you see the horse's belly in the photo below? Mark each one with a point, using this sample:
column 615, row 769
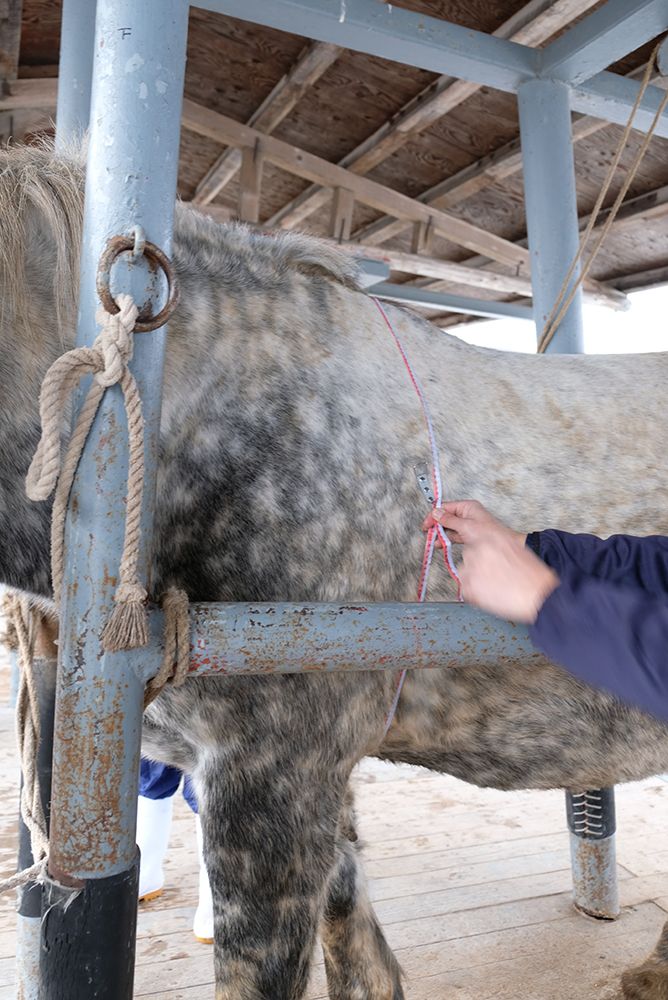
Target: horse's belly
column 514, row 728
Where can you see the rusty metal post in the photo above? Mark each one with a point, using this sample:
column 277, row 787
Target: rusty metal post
column 90, row 904
column 29, row 898
column 552, row 225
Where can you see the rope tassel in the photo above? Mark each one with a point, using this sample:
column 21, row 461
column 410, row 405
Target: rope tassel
column 107, row 360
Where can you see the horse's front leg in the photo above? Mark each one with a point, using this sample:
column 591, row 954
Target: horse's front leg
column 358, row 960
column 271, row 785
column 269, row 846
column 649, row 981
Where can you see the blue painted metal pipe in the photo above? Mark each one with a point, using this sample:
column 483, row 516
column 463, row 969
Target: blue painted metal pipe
column 241, row 639
column 424, row 299
column 74, row 87
column 292, row 638
column 131, row 180
column 77, row 35
column 551, row 206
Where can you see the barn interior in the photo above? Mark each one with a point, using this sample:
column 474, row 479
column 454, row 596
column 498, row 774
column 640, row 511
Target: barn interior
column 420, row 175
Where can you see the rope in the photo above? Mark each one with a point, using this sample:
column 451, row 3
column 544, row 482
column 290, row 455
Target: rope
column 437, row 530
column 176, row 657
column 565, row 297
column 107, row 360
column 21, row 628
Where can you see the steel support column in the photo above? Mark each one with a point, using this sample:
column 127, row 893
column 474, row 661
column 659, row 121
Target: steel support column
column 551, row 207
column 90, row 906
column 552, row 225
column 75, row 73
column 77, row 35
column 29, row 901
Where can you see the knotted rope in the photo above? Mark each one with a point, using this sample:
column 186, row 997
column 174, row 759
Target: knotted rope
column 20, row 636
column 107, row 360
column 176, row 655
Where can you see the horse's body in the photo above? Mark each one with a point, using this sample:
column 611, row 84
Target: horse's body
column 290, row 432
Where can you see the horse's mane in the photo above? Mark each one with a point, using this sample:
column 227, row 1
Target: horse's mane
column 35, row 177
column 52, row 183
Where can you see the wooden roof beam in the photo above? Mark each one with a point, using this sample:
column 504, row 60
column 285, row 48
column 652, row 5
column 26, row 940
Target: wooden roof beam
column 298, row 161
column 497, row 166
column 313, row 61
column 533, row 25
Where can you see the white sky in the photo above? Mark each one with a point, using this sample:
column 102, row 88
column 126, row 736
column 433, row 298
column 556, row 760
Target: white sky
column 643, row 327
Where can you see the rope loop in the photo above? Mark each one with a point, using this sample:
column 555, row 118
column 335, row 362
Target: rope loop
column 107, row 360
column 21, row 618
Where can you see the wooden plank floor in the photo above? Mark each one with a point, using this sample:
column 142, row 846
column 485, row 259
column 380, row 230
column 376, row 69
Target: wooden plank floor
column 472, row 888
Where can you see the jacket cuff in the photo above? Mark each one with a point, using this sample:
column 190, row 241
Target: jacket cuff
column 533, row 542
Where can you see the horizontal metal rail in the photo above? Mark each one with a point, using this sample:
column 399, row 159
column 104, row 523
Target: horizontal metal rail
column 445, row 301
column 269, row 638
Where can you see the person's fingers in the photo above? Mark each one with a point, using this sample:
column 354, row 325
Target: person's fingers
column 451, row 527
column 459, row 529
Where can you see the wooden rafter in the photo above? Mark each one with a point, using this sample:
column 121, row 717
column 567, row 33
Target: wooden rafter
column 639, row 210
column 41, row 93
column 497, row 166
column 315, row 59
column 298, row 161
column 534, row 24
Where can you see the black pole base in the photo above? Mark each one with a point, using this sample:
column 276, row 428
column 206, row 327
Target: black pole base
column 87, row 947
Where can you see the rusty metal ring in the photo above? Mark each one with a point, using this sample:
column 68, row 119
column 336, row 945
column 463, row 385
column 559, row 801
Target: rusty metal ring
column 156, row 259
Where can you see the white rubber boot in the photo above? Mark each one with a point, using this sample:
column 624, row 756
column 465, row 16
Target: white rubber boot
column 203, row 922
column 154, row 821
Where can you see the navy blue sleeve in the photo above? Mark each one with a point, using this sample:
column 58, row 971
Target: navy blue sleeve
column 625, row 559
column 611, row 636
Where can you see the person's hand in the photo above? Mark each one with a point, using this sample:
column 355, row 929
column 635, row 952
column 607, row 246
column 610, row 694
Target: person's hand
column 498, row 573
column 467, row 521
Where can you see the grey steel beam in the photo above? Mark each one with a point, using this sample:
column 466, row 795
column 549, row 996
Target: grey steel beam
column 551, row 206
column 77, row 35
column 90, row 900
column 424, row 299
column 267, row 638
column 611, row 97
column 393, row 33
column 611, row 32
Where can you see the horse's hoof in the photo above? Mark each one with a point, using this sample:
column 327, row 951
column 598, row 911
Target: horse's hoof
column 648, row 981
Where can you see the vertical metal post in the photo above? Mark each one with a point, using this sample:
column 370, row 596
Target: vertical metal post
column 77, row 36
column 90, row 904
column 552, row 225
column 74, row 84
column 29, row 908
column 551, row 206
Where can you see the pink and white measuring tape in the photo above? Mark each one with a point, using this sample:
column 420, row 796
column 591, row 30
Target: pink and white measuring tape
column 436, row 530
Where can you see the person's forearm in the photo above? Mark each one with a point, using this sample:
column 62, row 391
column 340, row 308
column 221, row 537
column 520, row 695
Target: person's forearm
column 625, row 559
column 610, row 636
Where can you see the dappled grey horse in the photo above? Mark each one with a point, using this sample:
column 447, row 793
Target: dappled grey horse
column 289, row 435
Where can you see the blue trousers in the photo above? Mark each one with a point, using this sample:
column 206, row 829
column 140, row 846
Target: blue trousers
column 160, row 781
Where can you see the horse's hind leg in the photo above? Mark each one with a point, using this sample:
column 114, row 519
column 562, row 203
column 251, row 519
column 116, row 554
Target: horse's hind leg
column 649, row 981
column 358, row 960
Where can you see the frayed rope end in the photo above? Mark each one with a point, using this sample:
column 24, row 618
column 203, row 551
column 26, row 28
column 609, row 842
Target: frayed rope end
column 127, row 627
